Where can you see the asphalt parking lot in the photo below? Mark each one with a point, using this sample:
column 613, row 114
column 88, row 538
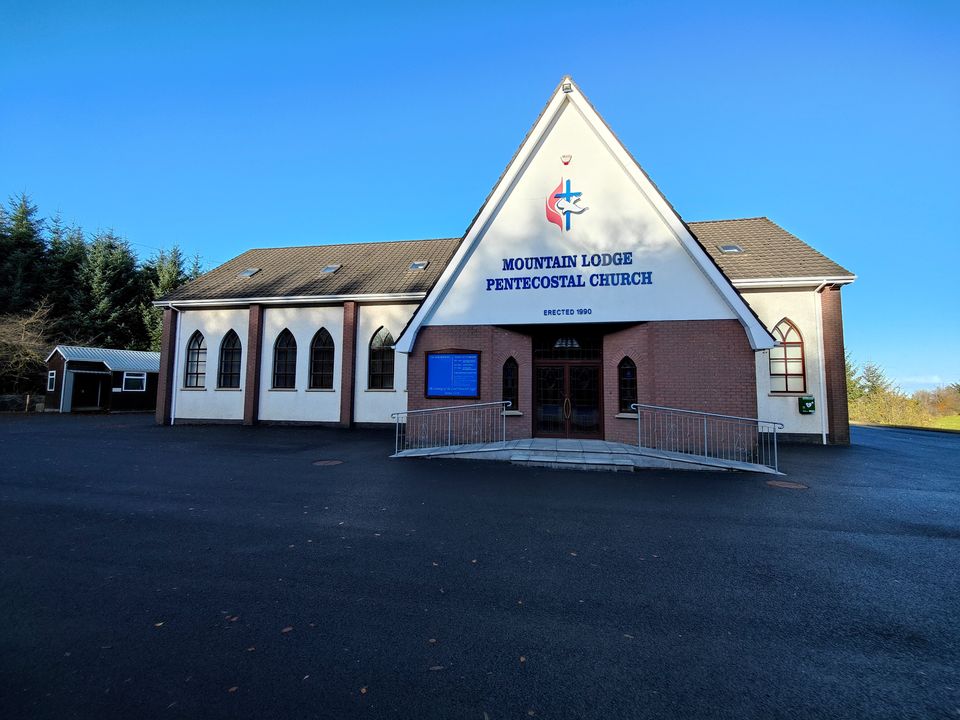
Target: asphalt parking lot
column 207, row 572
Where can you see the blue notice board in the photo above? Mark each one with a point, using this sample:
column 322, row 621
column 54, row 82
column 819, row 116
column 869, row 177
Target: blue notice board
column 453, row 375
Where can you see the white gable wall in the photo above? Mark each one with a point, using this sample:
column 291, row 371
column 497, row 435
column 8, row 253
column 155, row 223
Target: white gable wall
column 620, row 218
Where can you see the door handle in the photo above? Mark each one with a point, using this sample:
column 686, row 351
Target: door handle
column 567, row 408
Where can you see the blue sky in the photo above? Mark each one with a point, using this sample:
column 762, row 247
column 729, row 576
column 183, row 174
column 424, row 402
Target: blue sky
column 227, row 126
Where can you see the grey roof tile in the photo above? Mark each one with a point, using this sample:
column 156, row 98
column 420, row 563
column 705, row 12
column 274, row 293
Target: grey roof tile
column 769, row 251
column 366, row 269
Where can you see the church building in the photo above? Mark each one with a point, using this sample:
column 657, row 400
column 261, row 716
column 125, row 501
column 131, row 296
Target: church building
column 576, row 293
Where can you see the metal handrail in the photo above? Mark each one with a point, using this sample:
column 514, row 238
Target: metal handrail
column 505, row 403
column 708, row 435
column 634, row 406
column 463, row 425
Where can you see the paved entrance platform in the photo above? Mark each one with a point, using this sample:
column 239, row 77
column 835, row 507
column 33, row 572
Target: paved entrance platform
column 583, row 455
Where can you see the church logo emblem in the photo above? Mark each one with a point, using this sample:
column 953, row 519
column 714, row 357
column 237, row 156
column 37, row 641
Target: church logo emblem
column 562, row 203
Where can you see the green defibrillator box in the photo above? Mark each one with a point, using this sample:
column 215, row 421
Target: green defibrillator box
column 807, row 404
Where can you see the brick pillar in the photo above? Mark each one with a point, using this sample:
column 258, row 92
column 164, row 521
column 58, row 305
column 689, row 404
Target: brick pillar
column 348, row 364
column 251, row 386
column 166, row 382
column 834, row 365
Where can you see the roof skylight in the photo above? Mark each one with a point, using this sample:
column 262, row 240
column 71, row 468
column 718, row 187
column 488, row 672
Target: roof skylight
column 332, row 268
column 248, row 273
column 732, row 249
column 419, row 264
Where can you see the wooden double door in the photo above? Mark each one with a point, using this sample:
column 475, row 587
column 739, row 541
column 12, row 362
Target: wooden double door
column 567, row 399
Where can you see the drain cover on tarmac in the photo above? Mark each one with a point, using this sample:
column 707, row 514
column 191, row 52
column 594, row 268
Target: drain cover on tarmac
column 326, row 463
column 786, row 484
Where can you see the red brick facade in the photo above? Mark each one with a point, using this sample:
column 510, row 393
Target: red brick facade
column 696, row 365
column 703, row 365
column 495, row 345
column 834, row 366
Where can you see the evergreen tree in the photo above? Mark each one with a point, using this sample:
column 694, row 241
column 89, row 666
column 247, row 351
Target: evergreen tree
column 164, row 273
column 110, row 313
column 854, row 383
column 196, row 267
column 64, row 291
column 22, row 255
column 874, row 381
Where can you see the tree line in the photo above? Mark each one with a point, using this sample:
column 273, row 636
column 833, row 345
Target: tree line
column 62, row 285
column 874, row 398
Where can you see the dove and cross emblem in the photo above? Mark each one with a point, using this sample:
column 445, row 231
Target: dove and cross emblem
column 562, row 203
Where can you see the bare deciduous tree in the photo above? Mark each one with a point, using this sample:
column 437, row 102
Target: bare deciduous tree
column 23, row 348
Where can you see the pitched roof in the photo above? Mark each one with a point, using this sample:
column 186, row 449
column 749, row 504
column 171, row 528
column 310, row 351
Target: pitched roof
column 769, row 251
column 365, row 269
column 115, row 360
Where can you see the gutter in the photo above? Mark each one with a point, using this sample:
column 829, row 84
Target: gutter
column 292, row 300
column 793, row 282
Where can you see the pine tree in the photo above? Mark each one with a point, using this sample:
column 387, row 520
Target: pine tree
column 109, row 315
column 874, row 381
column 854, row 382
column 64, row 291
column 164, row 273
column 22, row 255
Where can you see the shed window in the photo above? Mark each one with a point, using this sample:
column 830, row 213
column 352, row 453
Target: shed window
column 321, row 361
column 51, row 380
column 196, row 370
column 134, row 382
column 285, row 361
column 230, row 358
column 627, row 385
column 511, row 384
column 787, row 372
column 381, row 361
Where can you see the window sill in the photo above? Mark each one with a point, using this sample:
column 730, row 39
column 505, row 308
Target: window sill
column 513, row 413
column 198, row 389
column 321, row 390
column 281, row 390
column 229, row 389
column 791, row 394
column 627, row 416
column 380, row 390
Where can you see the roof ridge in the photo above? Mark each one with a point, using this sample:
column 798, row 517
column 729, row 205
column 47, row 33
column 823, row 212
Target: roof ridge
column 726, row 220
column 349, row 244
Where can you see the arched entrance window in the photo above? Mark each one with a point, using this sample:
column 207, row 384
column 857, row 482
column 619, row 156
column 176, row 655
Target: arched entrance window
column 627, row 384
column 511, row 383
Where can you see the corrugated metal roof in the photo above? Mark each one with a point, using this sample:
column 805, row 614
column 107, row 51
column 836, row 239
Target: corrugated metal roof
column 115, row 360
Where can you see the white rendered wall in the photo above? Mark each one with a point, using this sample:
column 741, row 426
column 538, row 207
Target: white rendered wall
column 802, row 308
column 210, row 403
column 301, row 404
column 376, row 405
column 619, row 219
